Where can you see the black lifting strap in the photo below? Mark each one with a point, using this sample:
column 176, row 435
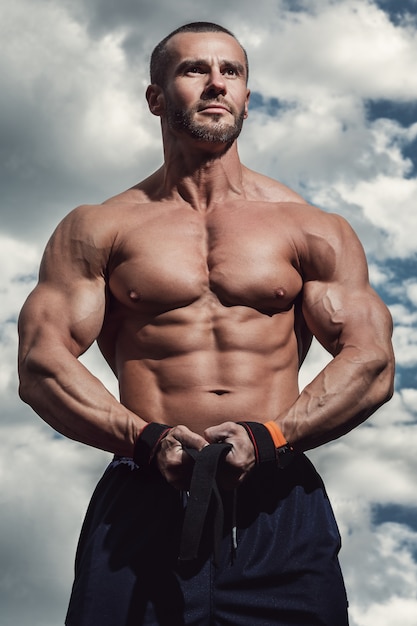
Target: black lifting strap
column 203, row 490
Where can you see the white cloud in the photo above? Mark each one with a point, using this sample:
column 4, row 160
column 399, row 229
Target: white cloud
column 375, row 465
column 397, row 610
column 409, row 397
column 19, row 267
column 95, row 362
column 73, row 119
column 46, row 485
column 411, row 289
column 389, row 202
column 383, row 579
column 347, row 42
column 402, row 315
column 75, row 128
column 378, row 276
column 405, row 345
column 317, row 358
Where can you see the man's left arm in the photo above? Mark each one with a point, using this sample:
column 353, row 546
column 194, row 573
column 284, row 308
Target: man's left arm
column 352, row 323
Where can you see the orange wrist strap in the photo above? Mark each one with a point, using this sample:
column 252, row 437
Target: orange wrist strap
column 276, row 434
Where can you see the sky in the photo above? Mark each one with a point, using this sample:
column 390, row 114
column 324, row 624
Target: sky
column 334, row 115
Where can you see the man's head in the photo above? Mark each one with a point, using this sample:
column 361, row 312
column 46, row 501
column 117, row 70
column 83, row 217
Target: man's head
column 199, row 84
column 162, row 57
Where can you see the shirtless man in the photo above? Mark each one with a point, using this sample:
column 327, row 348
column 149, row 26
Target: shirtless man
column 203, row 286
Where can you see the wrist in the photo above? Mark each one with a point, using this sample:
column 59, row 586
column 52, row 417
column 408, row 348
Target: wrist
column 276, row 434
column 269, row 443
column 148, row 442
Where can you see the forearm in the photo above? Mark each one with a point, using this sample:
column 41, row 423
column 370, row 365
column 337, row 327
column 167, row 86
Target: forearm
column 76, row 404
column 342, row 396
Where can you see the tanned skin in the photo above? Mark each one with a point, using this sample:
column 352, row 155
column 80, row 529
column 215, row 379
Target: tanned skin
column 203, row 286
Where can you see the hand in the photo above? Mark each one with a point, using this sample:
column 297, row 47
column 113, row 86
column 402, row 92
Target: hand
column 175, row 465
column 241, row 458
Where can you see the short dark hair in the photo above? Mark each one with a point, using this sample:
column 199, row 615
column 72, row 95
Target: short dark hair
column 161, row 57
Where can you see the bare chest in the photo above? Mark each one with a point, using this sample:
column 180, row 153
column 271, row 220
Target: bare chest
column 242, row 256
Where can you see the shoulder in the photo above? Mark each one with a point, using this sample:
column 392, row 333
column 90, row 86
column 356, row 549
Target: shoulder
column 81, row 243
column 133, row 196
column 327, row 246
column 101, row 223
column 91, row 225
column 263, row 188
column 296, row 208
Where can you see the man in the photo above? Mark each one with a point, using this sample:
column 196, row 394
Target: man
column 203, row 286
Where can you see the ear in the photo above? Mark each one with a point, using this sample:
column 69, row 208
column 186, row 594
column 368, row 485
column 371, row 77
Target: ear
column 247, row 104
column 156, row 99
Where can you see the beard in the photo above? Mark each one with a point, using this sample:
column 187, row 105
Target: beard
column 213, row 130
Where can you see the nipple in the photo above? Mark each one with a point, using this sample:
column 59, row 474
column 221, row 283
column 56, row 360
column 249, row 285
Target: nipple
column 280, row 292
column 134, row 296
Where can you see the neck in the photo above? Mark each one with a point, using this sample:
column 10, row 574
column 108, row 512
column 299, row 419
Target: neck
column 201, row 175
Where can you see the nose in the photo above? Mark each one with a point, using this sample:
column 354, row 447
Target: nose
column 216, row 84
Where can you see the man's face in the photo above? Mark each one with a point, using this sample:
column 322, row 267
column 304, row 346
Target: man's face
column 206, row 95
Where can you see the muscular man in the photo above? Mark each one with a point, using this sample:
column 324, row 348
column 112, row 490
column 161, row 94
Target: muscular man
column 203, row 286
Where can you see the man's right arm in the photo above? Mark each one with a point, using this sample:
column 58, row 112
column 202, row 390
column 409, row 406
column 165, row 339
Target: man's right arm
column 61, row 318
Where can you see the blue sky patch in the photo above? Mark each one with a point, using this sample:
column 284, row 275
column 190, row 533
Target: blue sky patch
column 405, row 377
column 270, row 106
column 382, row 513
column 400, row 271
column 405, row 113
column 25, row 278
column 398, row 9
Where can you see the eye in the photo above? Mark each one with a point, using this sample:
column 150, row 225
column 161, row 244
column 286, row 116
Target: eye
column 230, row 71
column 195, row 69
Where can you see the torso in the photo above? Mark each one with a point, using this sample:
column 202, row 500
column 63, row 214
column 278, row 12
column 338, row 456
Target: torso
column 203, row 323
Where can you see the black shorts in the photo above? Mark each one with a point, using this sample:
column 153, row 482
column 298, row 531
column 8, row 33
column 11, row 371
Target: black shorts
column 284, row 571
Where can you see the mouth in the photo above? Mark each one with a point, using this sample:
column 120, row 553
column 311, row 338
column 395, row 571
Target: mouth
column 214, row 107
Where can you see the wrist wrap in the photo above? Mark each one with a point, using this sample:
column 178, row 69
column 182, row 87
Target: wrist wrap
column 261, row 440
column 147, row 443
column 269, row 443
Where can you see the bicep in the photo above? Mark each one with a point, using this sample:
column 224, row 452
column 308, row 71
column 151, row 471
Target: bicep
column 339, row 305
column 341, row 318
column 67, row 307
column 69, row 317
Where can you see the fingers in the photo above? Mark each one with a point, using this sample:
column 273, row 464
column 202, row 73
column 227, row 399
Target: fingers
column 240, row 460
column 224, row 431
column 187, row 438
column 173, row 461
column 176, row 465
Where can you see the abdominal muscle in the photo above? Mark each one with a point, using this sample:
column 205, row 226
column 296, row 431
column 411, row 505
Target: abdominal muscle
column 198, row 369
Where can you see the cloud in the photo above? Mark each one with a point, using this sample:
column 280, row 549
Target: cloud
column 385, row 586
column 397, row 610
column 71, row 117
column 46, row 484
column 331, row 48
column 17, row 278
column 75, row 128
column 383, row 199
